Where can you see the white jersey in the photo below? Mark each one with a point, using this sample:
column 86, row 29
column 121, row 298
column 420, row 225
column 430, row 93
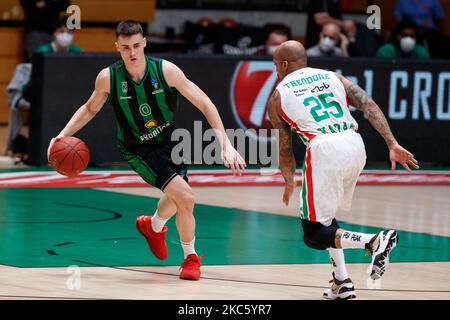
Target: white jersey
column 314, row 102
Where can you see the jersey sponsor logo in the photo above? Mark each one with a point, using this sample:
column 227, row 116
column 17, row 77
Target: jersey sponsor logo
column 150, row 135
column 150, row 124
column 320, row 88
column 300, row 92
column 155, row 86
column 154, row 82
column 251, row 86
column 124, row 87
column 157, row 91
column 145, row 110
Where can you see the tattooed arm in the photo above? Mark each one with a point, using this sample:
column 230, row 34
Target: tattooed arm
column 286, row 155
column 361, row 101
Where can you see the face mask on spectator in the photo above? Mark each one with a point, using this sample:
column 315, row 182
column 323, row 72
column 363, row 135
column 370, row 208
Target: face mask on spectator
column 407, row 44
column 64, row 39
column 326, row 44
column 271, row 50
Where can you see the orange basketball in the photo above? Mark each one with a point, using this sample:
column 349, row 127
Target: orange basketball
column 69, row 156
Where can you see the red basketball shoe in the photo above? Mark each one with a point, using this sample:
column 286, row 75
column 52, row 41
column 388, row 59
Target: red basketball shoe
column 190, row 269
column 156, row 240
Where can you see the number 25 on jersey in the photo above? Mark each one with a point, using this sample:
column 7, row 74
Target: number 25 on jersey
column 322, row 109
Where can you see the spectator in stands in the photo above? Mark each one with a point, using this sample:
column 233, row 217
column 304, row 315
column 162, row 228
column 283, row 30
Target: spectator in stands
column 403, row 43
column 427, row 14
column 332, row 43
column 16, row 103
column 62, row 42
column 20, row 86
column 320, row 13
column 41, row 19
column 274, row 39
column 348, row 39
column 429, row 17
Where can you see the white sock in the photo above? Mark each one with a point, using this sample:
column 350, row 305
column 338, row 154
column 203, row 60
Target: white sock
column 158, row 222
column 350, row 239
column 340, row 270
column 188, row 247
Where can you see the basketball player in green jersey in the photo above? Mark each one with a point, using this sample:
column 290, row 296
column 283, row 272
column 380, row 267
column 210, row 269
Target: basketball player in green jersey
column 143, row 92
column 314, row 103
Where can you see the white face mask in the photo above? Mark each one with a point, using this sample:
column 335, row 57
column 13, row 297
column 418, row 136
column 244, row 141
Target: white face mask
column 407, row 44
column 64, row 39
column 271, row 50
column 326, row 44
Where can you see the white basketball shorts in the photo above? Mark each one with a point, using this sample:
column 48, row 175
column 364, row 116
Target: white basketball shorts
column 332, row 165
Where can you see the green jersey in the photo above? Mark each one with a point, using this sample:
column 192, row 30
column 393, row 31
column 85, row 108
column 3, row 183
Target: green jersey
column 144, row 110
column 50, row 48
column 393, row 51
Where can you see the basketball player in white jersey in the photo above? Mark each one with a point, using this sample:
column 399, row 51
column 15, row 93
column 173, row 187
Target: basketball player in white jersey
column 314, row 103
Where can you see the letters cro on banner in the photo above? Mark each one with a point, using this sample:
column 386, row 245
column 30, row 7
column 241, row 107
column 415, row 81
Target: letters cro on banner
column 413, row 94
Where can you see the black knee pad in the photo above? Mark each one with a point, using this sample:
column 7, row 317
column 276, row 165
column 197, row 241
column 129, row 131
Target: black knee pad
column 317, row 236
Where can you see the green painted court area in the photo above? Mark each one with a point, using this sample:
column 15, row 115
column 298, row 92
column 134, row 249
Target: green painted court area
column 61, row 227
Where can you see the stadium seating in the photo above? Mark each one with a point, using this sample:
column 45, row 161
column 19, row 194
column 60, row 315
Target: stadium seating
column 10, row 55
column 116, row 10
column 95, row 39
column 90, row 39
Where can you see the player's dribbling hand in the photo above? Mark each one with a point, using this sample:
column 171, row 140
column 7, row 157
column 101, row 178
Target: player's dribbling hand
column 399, row 154
column 289, row 187
column 232, row 159
column 52, row 141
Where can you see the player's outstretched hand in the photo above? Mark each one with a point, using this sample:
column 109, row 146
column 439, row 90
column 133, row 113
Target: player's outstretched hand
column 289, row 187
column 232, row 159
column 399, row 154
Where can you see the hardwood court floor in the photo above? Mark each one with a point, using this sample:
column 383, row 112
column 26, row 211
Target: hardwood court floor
column 277, row 282
column 252, row 245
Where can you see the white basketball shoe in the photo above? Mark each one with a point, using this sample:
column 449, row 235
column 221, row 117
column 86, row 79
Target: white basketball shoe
column 340, row 290
column 387, row 240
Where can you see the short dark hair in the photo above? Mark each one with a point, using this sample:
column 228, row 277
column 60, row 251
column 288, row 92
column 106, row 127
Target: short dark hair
column 279, row 29
column 407, row 24
column 280, row 32
column 61, row 22
column 129, row 28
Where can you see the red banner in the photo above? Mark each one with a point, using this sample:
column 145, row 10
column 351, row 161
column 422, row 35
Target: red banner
column 88, row 179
